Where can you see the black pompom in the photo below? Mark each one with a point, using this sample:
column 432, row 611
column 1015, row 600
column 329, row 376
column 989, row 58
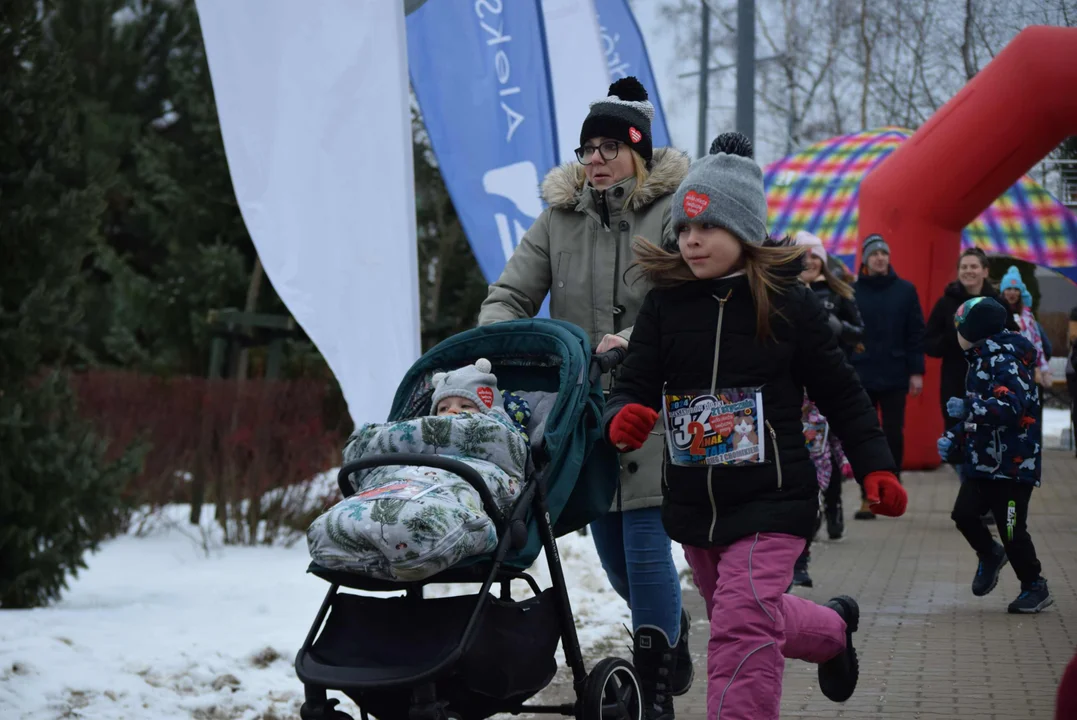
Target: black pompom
column 732, row 143
column 629, row 89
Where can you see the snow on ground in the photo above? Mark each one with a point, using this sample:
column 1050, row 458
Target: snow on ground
column 1055, row 423
column 171, row 624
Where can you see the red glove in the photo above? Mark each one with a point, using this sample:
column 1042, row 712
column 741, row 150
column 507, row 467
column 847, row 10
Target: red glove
column 631, row 426
column 885, row 494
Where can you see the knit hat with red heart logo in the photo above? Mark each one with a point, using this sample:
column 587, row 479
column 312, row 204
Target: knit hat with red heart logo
column 474, row 382
column 724, row 188
column 625, row 115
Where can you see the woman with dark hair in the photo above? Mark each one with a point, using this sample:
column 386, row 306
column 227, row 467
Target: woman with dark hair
column 940, row 336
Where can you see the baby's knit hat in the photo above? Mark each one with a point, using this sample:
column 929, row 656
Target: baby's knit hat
column 979, row 318
column 625, row 114
column 474, row 382
column 725, row 188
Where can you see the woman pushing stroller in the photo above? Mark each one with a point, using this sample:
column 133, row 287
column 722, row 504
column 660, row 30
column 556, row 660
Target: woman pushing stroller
column 577, row 251
column 728, row 333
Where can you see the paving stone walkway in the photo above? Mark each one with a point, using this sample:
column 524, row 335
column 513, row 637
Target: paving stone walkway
column 928, row 647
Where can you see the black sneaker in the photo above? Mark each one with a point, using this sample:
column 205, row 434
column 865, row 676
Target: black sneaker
column 1034, row 597
column 685, row 673
column 838, row 675
column 656, row 665
column 988, row 571
column 801, row 578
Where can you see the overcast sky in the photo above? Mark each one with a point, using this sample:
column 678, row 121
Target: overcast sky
column 680, row 96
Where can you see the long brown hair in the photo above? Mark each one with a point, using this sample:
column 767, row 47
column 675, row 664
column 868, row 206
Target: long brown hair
column 838, row 285
column 665, row 268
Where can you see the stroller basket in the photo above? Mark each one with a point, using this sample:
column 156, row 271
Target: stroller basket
column 510, row 654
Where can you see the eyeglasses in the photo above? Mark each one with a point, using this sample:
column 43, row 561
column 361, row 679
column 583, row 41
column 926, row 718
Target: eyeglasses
column 608, row 150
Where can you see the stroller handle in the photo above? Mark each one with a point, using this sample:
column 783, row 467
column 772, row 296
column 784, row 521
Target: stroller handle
column 602, row 363
column 469, row 474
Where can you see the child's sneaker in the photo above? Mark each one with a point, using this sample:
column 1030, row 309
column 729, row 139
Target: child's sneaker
column 988, row 570
column 1033, row 598
column 838, row 675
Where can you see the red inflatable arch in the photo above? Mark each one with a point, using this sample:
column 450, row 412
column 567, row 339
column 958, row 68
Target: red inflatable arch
column 1007, row 118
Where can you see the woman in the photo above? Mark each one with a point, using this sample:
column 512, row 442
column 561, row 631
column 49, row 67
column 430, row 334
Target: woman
column 836, row 296
column 833, row 292
column 578, row 250
column 940, row 336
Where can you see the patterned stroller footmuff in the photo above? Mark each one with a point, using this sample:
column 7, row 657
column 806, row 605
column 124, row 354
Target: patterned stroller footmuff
column 407, row 523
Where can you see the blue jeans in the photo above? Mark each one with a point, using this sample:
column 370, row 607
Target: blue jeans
column 636, row 555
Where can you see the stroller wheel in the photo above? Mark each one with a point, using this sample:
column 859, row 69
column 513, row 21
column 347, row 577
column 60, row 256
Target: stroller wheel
column 611, row 692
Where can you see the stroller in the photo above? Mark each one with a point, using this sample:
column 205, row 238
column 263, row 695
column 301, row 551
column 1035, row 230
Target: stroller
column 472, row 656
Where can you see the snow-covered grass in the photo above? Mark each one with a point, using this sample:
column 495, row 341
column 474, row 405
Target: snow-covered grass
column 1056, row 423
column 171, row 624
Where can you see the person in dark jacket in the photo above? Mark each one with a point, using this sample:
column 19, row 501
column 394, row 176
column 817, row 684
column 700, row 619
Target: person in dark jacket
column 940, row 337
column 726, row 344
column 891, row 361
column 836, row 297
column 997, row 441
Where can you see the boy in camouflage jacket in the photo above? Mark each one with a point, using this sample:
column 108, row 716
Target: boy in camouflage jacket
column 997, row 443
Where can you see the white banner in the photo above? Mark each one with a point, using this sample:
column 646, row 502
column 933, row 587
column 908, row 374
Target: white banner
column 578, row 69
column 314, row 110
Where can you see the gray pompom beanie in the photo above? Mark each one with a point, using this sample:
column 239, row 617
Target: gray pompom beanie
column 474, row 382
column 725, row 188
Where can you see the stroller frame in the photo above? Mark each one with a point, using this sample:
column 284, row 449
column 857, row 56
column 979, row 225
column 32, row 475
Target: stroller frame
column 611, row 690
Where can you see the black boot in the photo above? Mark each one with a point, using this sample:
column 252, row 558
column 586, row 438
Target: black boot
column 801, row 578
column 835, row 520
column 988, row 570
column 656, row 664
column 838, row 675
column 684, row 674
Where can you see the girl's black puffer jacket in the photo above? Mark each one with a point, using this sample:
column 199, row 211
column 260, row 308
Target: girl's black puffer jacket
column 673, row 345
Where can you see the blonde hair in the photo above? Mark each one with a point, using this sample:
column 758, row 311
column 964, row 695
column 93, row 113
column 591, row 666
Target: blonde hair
column 665, row 268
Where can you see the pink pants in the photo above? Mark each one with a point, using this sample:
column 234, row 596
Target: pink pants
column 755, row 625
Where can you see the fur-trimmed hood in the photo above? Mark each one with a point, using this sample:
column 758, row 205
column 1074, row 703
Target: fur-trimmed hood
column 562, row 186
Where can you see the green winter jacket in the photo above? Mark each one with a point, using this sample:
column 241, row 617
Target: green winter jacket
column 581, row 260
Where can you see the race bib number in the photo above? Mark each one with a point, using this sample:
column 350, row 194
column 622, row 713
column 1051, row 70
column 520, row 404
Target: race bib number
column 720, row 428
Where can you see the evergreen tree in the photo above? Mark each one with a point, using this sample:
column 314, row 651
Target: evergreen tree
column 58, row 495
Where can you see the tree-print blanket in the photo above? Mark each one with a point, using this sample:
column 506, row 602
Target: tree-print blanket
column 407, row 523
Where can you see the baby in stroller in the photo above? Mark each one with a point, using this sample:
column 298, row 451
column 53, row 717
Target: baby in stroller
column 407, row 523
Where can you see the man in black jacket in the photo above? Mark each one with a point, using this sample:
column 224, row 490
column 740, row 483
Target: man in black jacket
column 891, row 365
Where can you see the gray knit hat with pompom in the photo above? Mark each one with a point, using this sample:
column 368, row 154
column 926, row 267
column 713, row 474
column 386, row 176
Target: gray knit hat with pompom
column 725, row 188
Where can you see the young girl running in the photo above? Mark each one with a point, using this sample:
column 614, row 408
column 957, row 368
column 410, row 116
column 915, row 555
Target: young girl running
column 726, row 345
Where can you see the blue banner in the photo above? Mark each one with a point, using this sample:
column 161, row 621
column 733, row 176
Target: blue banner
column 626, row 54
column 479, row 71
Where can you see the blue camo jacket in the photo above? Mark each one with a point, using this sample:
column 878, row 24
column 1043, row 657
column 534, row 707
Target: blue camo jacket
column 1001, row 435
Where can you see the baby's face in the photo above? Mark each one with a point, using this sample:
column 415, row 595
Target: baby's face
column 455, row 405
